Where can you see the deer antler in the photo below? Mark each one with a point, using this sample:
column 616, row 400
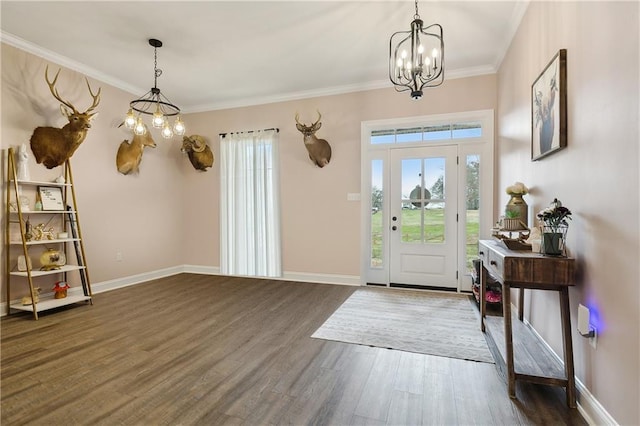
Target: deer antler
column 54, row 91
column 96, row 97
column 316, row 122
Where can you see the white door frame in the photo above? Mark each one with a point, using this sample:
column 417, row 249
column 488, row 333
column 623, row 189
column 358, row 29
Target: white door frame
column 483, row 146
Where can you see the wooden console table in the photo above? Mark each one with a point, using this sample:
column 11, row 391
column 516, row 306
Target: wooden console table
column 527, row 270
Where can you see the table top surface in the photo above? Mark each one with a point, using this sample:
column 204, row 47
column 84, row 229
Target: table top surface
column 498, row 246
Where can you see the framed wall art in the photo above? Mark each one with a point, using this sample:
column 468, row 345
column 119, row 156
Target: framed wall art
column 51, row 198
column 549, row 108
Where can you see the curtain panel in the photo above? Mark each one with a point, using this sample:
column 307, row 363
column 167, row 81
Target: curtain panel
column 250, row 204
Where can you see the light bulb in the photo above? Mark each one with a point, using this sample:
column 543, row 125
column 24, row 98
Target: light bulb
column 158, row 118
column 140, row 128
column 130, row 119
column 434, row 53
column 178, row 127
column 403, row 54
column 166, row 131
column 421, row 49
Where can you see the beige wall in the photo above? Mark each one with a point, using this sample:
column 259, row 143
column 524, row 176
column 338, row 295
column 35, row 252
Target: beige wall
column 140, row 216
column 320, row 228
column 596, row 176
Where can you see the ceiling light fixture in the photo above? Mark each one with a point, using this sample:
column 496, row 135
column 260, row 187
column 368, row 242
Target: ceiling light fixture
column 416, row 57
column 157, row 105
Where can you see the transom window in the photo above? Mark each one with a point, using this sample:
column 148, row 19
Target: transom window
column 440, row 132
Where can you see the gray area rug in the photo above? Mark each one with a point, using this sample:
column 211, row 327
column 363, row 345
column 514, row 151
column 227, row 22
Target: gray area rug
column 413, row 321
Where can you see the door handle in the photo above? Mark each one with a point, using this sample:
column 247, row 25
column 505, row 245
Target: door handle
column 393, row 228
column 394, row 218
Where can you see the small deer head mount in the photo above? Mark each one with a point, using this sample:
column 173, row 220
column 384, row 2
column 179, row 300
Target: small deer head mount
column 319, row 149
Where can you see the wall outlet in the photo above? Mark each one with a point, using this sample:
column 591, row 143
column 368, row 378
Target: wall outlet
column 118, row 256
column 585, row 328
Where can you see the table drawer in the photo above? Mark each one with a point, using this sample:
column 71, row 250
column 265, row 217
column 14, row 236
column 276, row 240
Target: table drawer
column 495, row 265
column 483, row 254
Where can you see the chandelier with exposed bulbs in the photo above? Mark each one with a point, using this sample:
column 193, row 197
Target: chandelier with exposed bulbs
column 157, row 105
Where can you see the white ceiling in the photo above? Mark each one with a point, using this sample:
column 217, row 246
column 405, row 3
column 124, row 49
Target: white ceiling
column 225, row 54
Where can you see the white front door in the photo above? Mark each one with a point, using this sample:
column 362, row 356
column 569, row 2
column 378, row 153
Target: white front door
column 423, row 216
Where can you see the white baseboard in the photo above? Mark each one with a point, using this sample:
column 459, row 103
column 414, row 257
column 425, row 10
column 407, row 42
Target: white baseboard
column 322, row 278
column 199, row 269
column 286, row 276
column 135, row 279
column 588, row 406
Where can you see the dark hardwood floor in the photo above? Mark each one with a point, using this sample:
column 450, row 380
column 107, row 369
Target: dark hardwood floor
column 207, row 350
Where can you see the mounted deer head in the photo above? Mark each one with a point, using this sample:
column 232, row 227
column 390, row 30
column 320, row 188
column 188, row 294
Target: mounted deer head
column 53, row 146
column 319, row 149
column 129, row 154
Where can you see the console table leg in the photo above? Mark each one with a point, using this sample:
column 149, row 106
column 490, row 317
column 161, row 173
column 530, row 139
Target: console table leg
column 508, row 337
column 521, row 304
column 568, row 347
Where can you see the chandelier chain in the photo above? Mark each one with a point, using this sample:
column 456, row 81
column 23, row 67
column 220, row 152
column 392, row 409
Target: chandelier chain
column 156, row 72
column 416, row 16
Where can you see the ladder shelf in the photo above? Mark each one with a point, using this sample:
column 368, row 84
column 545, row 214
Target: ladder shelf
column 19, row 241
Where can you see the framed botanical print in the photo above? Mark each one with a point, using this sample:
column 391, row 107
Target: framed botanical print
column 549, row 108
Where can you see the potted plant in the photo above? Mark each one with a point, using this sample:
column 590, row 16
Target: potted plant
column 511, row 221
column 554, row 224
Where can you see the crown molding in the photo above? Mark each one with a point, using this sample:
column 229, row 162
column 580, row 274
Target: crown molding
column 66, row 62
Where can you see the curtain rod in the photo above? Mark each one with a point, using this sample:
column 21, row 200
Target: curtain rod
column 249, row 131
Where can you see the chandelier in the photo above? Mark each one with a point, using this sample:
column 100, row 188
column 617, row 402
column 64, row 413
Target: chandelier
column 416, row 57
column 157, row 105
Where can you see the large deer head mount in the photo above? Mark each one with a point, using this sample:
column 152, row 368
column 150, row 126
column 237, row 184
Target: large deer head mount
column 52, row 146
column 319, row 149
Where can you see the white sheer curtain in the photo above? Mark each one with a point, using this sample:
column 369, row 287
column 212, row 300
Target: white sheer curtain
column 250, row 204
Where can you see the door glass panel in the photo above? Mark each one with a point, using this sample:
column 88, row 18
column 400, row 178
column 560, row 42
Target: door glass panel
column 411, row 216
column 423, row 200
column 472, row 207
column 434, row 211
column 377, row 213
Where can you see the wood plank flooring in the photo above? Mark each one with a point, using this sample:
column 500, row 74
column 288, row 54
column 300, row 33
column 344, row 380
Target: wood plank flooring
column 207, row 350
